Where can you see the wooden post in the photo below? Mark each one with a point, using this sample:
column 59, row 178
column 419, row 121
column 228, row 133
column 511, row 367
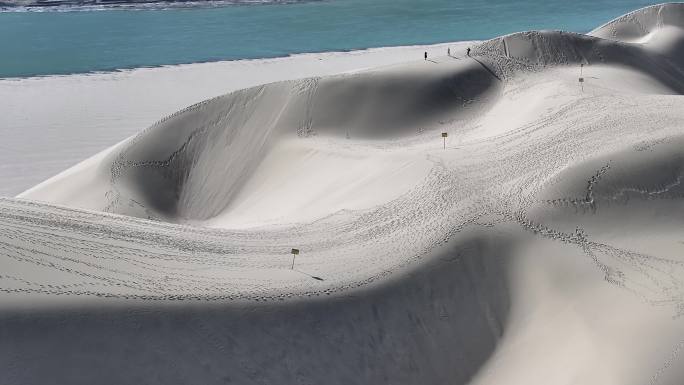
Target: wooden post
column 444, row 136
column 295, row 252
column 581, row 78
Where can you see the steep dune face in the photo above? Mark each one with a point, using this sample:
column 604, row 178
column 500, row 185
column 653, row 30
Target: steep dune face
column 206, row 152
column 625, row 208
column 532, row 245
column 393, row 102
column 643, row 24
column 659, row 28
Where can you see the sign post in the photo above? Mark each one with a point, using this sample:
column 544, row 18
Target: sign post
column 295, row 252
column 444, row 136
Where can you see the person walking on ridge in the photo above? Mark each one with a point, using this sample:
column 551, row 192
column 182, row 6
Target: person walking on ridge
column 448, row 51
column 468, row 51
column 425, row 55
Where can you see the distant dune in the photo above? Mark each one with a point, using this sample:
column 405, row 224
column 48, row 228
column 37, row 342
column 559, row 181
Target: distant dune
column 539, row 242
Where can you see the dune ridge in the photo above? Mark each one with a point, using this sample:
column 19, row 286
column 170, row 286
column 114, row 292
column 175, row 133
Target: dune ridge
column 539, row 242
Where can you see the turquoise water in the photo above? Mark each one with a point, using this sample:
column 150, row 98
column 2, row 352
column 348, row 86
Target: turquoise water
column 43, row 43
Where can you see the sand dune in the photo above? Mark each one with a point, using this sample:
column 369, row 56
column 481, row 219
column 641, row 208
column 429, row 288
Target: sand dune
column 210, row 150
column 540, row 243
column 81, row 115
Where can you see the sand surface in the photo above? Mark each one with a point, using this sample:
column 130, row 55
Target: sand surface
column 540, row 242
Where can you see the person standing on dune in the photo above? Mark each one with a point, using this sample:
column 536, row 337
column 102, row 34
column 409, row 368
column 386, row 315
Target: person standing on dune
column 468, row 51
column 448, row 51
column 425, row 55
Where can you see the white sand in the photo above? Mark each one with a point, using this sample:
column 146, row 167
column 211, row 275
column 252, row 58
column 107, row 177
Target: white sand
column 543, row 245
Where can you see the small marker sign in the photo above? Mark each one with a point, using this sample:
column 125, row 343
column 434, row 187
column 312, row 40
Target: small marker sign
column 444, row 136
column 295, row 252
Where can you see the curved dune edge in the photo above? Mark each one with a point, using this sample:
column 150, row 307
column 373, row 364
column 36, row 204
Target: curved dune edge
column 537, row 247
